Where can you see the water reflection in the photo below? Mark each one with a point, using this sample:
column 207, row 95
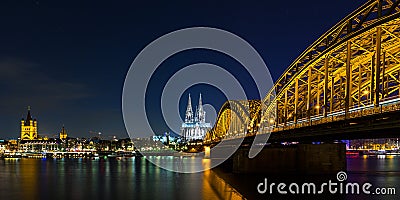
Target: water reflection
column 133, row 178
column 136, row 178
column 379, row 171
column 218, row 185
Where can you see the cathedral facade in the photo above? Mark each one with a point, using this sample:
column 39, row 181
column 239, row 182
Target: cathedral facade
column 195, row 126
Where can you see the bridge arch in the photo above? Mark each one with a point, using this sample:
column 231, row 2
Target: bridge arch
column 234, row 119
column 353, row 67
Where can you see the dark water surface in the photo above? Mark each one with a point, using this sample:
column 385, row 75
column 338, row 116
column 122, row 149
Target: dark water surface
column 136, row 178
column 381, row 171
column 132, row 178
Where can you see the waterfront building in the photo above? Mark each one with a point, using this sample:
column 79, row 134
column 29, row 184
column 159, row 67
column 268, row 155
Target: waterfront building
column 375, row 144
column 195, row 126
column 39, row 146
column 29, row 129
column 12, row 145
column 3, row 146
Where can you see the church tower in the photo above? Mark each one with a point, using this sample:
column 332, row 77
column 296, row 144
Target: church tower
column 201, row 114
column 63, row 134
column 29, row 127
column 189, row 112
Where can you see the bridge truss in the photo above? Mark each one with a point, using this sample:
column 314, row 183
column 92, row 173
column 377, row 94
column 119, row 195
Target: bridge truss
column 350, row 71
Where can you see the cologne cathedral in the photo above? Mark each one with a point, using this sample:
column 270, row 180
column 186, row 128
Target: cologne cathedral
column 195, row 126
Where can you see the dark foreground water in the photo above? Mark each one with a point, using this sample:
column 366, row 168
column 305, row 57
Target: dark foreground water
column 379, row 171
column 132, row 178
column 135, row 178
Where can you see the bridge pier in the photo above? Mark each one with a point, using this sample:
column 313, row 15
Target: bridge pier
column 297, row 159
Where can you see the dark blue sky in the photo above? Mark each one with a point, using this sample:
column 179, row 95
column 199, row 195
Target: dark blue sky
column 68, row 59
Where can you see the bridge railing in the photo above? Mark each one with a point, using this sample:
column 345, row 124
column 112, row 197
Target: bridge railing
column 389, row 105
column 355, row 112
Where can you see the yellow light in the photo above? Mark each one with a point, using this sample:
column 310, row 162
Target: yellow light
column 290, row 115
column 271, row 121
column 317, row 107
column 366, row 92
column 207, row 151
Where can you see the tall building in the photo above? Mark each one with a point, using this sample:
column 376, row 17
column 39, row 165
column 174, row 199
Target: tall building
column 29, row 127
column 195, row 126
column 63, row 134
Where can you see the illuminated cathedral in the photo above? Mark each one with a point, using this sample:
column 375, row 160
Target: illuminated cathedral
column 195, row 126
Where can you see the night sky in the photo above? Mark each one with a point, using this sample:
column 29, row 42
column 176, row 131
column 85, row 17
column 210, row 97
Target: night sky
column 68, row 59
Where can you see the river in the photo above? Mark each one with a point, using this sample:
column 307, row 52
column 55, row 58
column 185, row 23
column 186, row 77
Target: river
column 136, row 178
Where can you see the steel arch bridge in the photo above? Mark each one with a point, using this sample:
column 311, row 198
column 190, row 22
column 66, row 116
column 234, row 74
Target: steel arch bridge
column 352, row 70
column 235, row 119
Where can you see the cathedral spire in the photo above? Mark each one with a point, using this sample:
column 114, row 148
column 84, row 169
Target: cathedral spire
column 200, row 111
column 196, row 115
column 189, row 111
column 200, row 103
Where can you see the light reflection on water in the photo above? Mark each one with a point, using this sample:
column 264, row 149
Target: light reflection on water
column 136, row 178
column 381, row 170
column 132, row 178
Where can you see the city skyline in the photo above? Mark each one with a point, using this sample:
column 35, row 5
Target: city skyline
column 69, row 60
column 200, row 99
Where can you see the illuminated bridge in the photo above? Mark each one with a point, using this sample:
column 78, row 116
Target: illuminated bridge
column 345, row 85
